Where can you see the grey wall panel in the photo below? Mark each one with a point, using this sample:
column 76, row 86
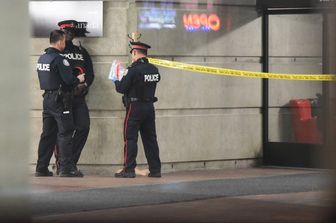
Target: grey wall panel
column 225, row 135
column 196, row 90
column 295, row 35
column 102, row 94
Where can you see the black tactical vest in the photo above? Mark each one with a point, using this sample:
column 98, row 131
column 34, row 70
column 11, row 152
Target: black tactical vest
column 49, row 79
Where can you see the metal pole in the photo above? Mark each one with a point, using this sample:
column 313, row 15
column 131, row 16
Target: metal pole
column 265, row 68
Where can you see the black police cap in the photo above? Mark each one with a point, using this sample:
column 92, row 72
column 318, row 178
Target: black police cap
column 79, row 28
column 68, row 24
column 139, row 46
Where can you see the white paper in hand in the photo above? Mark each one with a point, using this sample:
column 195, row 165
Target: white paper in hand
column 117, row 71
column 112, row 75
column 121, row 71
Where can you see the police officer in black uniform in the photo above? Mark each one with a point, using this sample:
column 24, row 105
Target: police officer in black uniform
column 81, row 62
column 138, row 87
column 56, row 79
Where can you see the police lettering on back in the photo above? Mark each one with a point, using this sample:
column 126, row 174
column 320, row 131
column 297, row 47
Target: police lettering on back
column 43, row 67
column 74, row 56
column 151, row 78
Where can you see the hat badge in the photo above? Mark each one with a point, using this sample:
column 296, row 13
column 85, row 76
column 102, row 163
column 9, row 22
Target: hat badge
column 134, row 37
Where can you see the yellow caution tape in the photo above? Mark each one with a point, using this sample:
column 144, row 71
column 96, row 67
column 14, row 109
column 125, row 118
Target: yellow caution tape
column 240, row 73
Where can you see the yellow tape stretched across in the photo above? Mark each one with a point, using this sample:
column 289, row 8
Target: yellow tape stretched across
column 240, row 73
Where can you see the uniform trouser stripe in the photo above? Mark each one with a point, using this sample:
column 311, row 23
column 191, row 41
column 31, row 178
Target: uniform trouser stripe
column 125, row 135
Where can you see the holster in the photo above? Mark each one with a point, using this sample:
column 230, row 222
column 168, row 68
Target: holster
column 65, row 96
column 125, row 101
column 59, row 94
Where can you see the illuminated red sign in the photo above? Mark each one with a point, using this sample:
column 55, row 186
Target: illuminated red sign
column 194, row 22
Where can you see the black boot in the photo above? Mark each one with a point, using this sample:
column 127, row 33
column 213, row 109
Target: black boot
column 45, row 173
column 157, row 174
column 74, row 173
column 125, row 174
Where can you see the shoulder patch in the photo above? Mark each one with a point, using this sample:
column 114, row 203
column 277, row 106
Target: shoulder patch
column 66, row 62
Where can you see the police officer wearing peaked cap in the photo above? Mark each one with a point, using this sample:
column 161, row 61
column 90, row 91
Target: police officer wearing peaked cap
column 138, row 87
column 55, row 71
column 81, row 62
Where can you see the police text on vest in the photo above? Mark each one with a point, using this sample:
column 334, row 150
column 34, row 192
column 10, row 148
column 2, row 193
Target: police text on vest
column 73, row 56
column 43, row 67
column 151, row 77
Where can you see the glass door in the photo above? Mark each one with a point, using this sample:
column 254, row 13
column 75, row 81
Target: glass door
column 294, row 122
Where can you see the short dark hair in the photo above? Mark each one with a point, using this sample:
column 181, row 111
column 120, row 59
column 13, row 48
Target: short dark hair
column 56, row 35
column 144, row 52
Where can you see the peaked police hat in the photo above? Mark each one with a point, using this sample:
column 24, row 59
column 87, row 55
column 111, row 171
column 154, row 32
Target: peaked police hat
column 139, row 45
column 79, row 28
column 68, row 24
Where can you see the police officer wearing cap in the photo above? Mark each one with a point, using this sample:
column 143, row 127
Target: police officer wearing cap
column 56, row 79
column 81, row 63
column 138, row 87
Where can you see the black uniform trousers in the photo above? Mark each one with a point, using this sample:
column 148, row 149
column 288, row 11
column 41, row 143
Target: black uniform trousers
column 82, row 126
column 55, row 119
column 140, row 116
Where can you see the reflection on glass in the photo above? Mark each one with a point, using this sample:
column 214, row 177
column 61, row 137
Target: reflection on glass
column 152, row 17
column 203, row 22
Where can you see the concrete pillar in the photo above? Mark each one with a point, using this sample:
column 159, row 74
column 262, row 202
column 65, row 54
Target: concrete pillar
column 14, row 111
